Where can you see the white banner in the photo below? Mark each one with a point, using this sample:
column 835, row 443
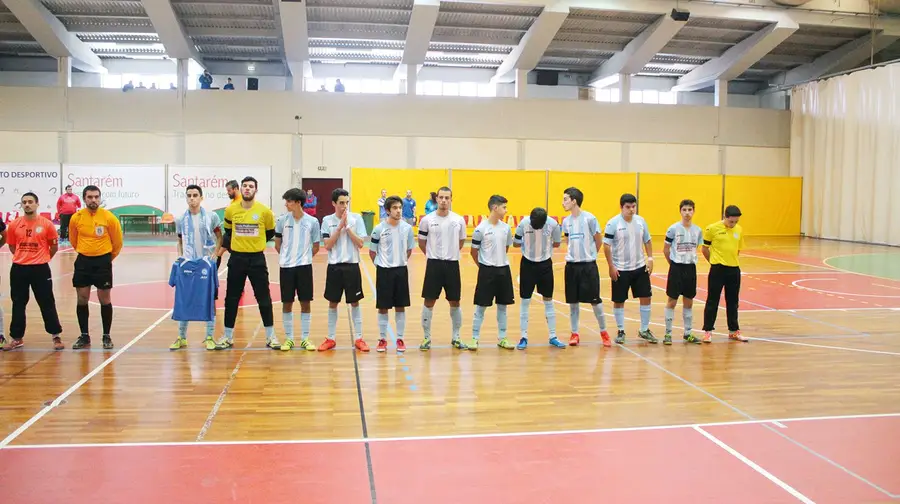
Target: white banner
column 125, row 189
column 18, row 179
column 213, row 179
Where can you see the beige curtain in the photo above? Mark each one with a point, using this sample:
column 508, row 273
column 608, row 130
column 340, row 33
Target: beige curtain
column 845, row 143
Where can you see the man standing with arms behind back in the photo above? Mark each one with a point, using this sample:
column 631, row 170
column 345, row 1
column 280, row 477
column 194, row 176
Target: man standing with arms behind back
column 96, row 236
column 722, row 244
column 66, row 206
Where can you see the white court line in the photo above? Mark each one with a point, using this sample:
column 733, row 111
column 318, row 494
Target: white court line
column 779, row 424
column 56, row 402
column 794, row 263
column 831, row 347
column 796, row 283
column 756, row 467
column 887, row 286
column 454, row 436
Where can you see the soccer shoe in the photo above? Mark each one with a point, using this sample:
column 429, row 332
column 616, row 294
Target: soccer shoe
column 473, row 345
column 224, row 344
column 620, row 338
column 736, row 336
column 107, row 342
column 327, row 345
column 459, row 345
column 179, row 343
column 58, row 344
column 210, row 343
column 648, row 336
column 425, row 344
column 504, row 343
column 361, row 345
column 401, row 346
column 690, row 338
column 554, row 341
column 287, row 345
column 382, row 345
column 605, row 337
column 574, row 339
column 707, row 336
column 273, row 344
column 83, row 341
column 2, row 340
column 523, row 344
column 307, row 345
column 667, row 338
column 13, row 344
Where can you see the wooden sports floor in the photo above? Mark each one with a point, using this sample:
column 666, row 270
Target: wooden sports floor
column 808, row 411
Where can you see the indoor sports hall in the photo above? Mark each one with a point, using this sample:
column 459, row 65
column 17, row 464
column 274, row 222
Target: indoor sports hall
column 787, row 110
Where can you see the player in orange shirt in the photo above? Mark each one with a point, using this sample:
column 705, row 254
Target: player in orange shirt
column 33, row 241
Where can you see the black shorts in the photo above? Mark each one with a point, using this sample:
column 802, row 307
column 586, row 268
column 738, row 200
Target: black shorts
column 582, row 283
column 391, row 287
column 93, row 271
column 296, row 282
column 343, row 278
column 535, row 274
column 442, row 275
column 682, row 281
column 494, row 282
column 638, row 281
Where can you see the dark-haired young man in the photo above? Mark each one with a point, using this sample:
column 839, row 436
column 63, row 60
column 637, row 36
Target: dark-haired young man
column 391, row 245
column 442, row 234
column 722, row 244
column 249, row 225
column 199, row 237
column 582, row 275
column 629, row 253
column 33, row 241
column 297, row 237
column 537, row 236
column 682, row 241
column 343, row 233
column 490, row 244
column 234, row 192
column 96, row 235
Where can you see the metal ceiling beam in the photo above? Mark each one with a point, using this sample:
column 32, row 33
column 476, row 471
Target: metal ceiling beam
column 295, row 33
column 418, row 36
column 171, row 33
column 843, row 58
column 534, row 43
column 739, row 58
column 639, row 51
column 53, row 36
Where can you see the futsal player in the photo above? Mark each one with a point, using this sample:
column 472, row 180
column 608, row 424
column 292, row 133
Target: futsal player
column 96, row 235
column 680, row 250
column 537, row 237
column 33, row 241
column 2, row 243
column 234, row 193
column 582, row 275
column 490, row 244
column 249, row 225
column 343, row 233
column 297, row 237
column 391, row 245
column 722, row 244
column 442, row 234
column 199, row 236
column 625, row 241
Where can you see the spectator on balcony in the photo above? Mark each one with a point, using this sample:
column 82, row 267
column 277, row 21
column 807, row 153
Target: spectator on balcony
column 129, row 86
column 338, row 86
column 228, row 85
column 206, row 80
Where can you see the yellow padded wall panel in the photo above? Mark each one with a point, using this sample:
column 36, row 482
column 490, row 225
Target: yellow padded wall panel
column 770, row 205
column 601, row 192
column 366, row 185
column 472, row 189
column 659, row 197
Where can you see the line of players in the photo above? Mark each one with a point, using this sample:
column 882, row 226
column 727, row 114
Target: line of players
column 625, row 241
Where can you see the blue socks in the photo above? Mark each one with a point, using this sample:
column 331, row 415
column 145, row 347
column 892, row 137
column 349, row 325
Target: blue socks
column 400, row 321
column 477, row 320
column 356, row 314
column 574, row 315
column 501, row 321
column 645, row 318
column 382, row 325
column 332, row 322
column 456, row 318
column 670, row 317
column 598, row 314
column 210, row 328
column 523, row 317
column 287, row 319
column 182, row 329
column 304, row 325
column 688, row 320
column 619, row 313
column 426, row 321
column 229, row 333
column 270, row 332
column 550, row 313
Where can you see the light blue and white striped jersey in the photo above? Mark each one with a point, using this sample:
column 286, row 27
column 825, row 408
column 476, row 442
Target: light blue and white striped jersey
column 392, row 243
column 442, row 235
column 683, row 242
column 580, row 232
column 537, row 244
column 491, row 241
column 626, row 241
column 297, row 239
column 197, row 233
column 344, row 251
